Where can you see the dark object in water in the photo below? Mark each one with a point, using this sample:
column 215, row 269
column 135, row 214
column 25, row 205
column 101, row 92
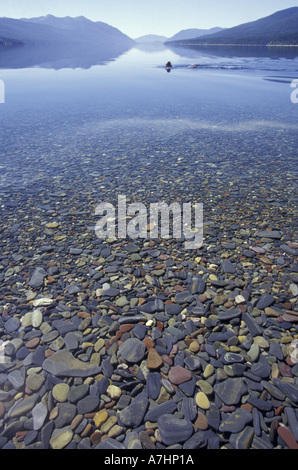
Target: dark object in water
column 169, row 65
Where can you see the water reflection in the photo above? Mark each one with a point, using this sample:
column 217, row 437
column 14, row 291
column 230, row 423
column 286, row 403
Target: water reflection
column 59, row 57
column 272, row 52
column 85, row 57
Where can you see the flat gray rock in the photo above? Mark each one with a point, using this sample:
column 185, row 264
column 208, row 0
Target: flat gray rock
column 174, row 430
column 132, row 350
column 230, row 391
column 133, row 415
column 63, row 363
column 37, row 277
column 237, row 421
column 23, row 406
column 274, row 234
column 229, row 314
column 110, row 443
column 228, row 267
column 265, row 301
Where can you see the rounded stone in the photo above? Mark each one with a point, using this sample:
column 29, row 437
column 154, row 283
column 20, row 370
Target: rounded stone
column 114, row 392
column 39, row 414
column 61, row 392
column 261, row 342
column 16, row 379
column 61, row 438
column 205, row 387
column 32, row 343
column 209, row 370
column 202, row 401
column 194, row 346
column 100, row 418
column 254, row 352
column 201, row 421
column 122, row 301
column 88, row 404
column 26, row 320
column 34, row 382
column 37, row 318
column 154, row 360
column 12, row 324
column 178, row 375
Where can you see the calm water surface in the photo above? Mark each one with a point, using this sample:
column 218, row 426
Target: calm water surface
column 129, row 113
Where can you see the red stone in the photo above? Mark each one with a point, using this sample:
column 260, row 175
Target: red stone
column 179, row 288
column 289, row 361
column 83, row 314
column 154, row 361
column 87, row 430
column 167, row 359
column 279, row 410
column 201, row 421
column 286, row 370
column 288, row 438
column 228, row 408
column 126, row 328
column 32, row 343
column 243, row 308
column 118, row 334
column 20, row 435
column 95, row 438
column 148, row 343
column 178, row 375
column 110, row 404
column 247, row 406
column 48, row 353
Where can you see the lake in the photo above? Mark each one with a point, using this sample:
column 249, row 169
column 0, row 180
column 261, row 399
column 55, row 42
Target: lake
column 132, row 108
column 221, row 117
column 219, row 130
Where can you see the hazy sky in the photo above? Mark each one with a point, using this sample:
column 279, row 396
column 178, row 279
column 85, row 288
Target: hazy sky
column 138, row 17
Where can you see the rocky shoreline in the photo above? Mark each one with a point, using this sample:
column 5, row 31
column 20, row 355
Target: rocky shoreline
column 140, row 344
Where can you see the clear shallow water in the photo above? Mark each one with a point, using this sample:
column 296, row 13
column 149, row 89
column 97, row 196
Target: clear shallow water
column 130, row 112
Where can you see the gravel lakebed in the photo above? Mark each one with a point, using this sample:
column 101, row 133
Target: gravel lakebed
column 141, row 344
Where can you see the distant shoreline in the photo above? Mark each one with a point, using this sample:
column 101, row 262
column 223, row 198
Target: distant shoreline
column 230, row 45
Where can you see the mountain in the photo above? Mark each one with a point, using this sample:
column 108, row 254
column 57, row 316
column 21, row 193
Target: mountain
column 193, row 33
column 49, row 30
column 280, row 28
column 57, row 43
column 151, row 39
